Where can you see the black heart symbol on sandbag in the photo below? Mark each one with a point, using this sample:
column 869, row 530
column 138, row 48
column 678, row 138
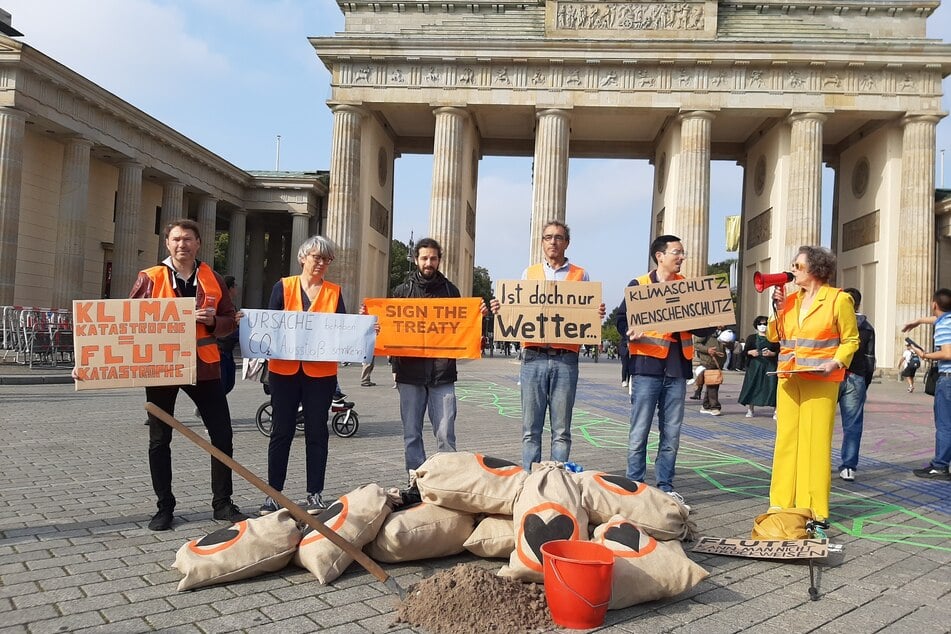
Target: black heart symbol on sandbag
column 624, row 534
column 220, row 536
column 498, row 466
column 327, row 515
column 538, row 531
column 621, row 482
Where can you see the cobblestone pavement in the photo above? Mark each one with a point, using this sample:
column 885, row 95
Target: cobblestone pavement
column 75, row 553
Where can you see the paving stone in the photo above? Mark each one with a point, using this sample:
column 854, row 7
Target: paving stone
column 70, row 581
column 52, row 596
column 181, row 618
column 294, row 625
column 135, row 609
column 67, row 623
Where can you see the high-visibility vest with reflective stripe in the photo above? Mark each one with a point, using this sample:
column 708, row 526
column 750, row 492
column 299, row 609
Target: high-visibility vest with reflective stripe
column 575, row 274
column 657, row 344
column 161, row 276
column 325, row 302
column 812, row 345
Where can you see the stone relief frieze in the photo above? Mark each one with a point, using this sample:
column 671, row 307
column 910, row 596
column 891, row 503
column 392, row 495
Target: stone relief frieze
column 629, row 16
column 660, row 77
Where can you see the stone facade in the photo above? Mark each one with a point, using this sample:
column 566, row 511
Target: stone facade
column 782, row 88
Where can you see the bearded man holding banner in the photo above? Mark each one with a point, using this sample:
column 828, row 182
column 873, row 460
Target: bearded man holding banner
column 181, row 274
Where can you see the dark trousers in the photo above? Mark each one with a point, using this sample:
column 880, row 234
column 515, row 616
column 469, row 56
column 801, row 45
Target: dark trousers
column 711, row 399
column 314, row 394
column 213, row 407
column 228, row 369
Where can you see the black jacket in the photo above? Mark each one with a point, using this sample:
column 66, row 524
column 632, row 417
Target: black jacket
column 863, row 362
column 421, row 370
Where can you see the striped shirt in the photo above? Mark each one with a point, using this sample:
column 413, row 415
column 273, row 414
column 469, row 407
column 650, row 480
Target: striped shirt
column 942, row 337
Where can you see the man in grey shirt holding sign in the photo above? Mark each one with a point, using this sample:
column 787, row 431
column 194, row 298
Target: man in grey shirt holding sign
column 659, row 366
column 549, row 372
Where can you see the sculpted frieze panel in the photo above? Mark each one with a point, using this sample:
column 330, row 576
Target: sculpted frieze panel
column 629, row 16
column 759, row 229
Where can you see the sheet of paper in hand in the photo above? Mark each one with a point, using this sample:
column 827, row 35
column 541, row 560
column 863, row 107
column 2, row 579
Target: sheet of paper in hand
column 545, row 311
column 305, row 336
column 679, row 305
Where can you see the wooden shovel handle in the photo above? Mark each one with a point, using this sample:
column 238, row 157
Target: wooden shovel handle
column 296, row 511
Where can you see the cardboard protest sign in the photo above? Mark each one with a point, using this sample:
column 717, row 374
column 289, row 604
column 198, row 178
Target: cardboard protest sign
column 134, row 342
column 545, row 311
column 296, row 335
column 449, row 327
column 680, row 305
column 764, row 548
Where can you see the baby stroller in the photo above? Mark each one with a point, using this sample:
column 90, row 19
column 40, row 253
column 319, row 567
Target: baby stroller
column 344, row 422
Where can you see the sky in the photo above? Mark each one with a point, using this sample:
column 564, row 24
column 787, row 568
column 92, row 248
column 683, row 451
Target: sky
column 233, row 75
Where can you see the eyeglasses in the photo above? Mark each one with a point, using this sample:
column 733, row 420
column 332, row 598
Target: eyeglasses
column 798, row 266
column 320, row 258
column 554, row 238
column 677, row 253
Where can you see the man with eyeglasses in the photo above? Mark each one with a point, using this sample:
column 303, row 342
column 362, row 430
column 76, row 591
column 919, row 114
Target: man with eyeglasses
column 549, row 372
column 660, row 363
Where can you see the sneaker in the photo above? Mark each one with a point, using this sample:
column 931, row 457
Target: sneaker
column 623, row 383
column 230, row 513
column 269, row 506
column 368, row 384
column 695, row 396
column 679, row 498
column 714, row 412
column 338, row 402
column 847, row 474
column 313, row 503
column 161, row 521
column 749, row 413
column 704, row 410
column 692, row 381
column 933, row 473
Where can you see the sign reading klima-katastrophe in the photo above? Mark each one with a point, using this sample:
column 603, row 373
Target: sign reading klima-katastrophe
column 295, row 335
column 134, row 342
column 545, row 311
column 679, row 305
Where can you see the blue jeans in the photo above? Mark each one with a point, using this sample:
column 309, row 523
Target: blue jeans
column 548, row 383
column 942, row 422
column 852, row 393
column 415, row 400
column 665, row 395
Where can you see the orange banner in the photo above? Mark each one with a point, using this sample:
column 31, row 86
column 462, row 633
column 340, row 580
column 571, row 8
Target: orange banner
column 440, row 327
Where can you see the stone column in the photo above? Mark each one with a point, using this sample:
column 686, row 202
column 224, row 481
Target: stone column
column 300, row 231
column 12, row 127
column 236, row 239
column 254, row 291
column 693, row 195
column 173, row 195
column 69, row 261
column 125, row 240
column 550, row 177
column 207, row 218
column 446, row 213
column 344, row 220
column 804, row 214
column 916, row 271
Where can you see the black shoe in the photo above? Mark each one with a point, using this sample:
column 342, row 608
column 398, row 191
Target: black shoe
column 933, row 473
column 368, row 384
column 161, row 521
column 695, row 396
column 229, row 512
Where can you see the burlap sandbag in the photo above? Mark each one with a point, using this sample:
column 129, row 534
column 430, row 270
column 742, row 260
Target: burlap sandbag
column 249, row 548
column 645, row 569
column 422, row 531
column 659, row 515
column 470, row 482
column 547, row 508
column 356, row 517
column 494, row 536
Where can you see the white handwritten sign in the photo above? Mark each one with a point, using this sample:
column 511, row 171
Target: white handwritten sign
column 304, row 336
column 679, row 305
column 764, row 548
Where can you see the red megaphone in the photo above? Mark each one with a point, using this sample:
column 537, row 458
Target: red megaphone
column 762, row 281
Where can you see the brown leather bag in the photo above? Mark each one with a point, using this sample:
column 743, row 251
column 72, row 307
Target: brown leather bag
column 712, row 377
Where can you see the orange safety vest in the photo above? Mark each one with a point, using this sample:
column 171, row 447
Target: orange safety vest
column 325, row 302
column 161, row 277
column 575, row 274
column 657, row 344
column 809, row 346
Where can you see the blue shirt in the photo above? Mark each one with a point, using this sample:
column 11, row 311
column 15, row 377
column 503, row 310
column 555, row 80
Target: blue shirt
column 942, row 337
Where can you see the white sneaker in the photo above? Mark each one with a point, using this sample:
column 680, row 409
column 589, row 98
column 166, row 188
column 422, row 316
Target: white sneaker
column 749, row 414
column 691, row 381
column 847, row 474
column 679, row 498
column 623, row 383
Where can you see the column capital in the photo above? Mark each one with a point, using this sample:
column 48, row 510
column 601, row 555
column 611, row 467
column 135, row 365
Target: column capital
column 807, row 116
column 14, row 112
column 130, row 163
column 349, row 108
column 553, row 112
column 459, row 111
column 78, row 140
column 920, row 118
column 708, row 115
column 203, row 197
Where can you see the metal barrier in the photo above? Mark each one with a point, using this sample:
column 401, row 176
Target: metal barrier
column 37, row 335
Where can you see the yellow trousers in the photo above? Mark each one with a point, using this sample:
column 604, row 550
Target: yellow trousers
column 802, row 459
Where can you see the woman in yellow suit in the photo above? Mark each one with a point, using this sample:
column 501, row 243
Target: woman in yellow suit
column 817, row 334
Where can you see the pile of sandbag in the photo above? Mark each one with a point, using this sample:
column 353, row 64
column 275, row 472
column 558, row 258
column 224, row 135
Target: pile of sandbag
column 469, row 501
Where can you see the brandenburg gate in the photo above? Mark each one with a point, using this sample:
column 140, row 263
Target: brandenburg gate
column 782, row 88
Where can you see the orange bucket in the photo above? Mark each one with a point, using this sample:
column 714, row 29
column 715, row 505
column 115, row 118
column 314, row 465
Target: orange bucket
column 577, row 582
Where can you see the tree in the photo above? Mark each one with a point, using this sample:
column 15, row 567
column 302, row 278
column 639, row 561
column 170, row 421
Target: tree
column 609, row 329
column 401, row 264
column 482, row 284
column 221, row 253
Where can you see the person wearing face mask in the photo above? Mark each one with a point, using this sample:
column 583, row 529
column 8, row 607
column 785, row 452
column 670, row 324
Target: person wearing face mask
column 759, row 388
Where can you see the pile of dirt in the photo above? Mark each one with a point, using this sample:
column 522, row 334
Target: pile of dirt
column 466, row 599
